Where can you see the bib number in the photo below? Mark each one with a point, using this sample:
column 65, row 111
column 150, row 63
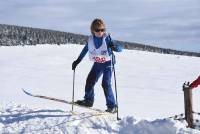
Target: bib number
column 99, row 59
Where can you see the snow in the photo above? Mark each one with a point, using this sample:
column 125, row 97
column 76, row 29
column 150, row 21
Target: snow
column 22, row 119
column 149, row 91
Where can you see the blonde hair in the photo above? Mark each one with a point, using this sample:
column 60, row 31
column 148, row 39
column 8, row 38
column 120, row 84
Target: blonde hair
column 97, row 23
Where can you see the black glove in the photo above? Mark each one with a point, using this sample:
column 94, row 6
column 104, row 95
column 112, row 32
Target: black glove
column 75, row 63
column 112, row 46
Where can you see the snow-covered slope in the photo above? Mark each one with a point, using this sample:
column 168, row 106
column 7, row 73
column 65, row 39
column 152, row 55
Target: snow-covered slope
column 149, row 90
column 22, row 119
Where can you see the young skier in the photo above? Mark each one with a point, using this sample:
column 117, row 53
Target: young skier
column 195, row 83
column 100, row 47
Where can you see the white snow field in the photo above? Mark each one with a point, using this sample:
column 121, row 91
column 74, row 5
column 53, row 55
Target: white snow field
column 149, row 91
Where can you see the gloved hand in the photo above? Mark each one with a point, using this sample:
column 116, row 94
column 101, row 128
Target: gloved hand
column 111, row 45
column 115, row 46
column 75, row 63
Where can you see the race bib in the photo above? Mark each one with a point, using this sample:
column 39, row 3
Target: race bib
column 99, row 59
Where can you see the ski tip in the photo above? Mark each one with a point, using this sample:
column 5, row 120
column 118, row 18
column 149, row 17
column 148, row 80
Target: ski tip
column 26, row 92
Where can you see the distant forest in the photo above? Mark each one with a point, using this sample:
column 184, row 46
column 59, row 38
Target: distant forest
column 11, row 35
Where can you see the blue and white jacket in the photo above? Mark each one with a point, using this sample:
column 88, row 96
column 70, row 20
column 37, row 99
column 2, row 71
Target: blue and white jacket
column 111, row 45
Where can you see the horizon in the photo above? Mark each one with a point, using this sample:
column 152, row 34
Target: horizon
column 141, row 21
column 87, row 35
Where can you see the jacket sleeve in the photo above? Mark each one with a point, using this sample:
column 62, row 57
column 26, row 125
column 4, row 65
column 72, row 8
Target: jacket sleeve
column 195, row 83
column 113, row 45
column 83, row 52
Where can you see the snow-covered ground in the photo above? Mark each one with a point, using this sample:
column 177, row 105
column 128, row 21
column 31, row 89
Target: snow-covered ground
column 22, row 119
column 149, row 90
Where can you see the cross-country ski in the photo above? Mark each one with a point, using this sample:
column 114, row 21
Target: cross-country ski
column 62, row 101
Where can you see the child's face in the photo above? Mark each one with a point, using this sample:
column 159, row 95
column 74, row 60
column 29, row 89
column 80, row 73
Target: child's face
column 99, row 32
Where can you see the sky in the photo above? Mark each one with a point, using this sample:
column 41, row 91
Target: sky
column 165, row 23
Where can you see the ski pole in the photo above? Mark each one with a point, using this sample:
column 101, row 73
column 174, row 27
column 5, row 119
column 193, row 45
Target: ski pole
column 73, row 91
column 113, row 59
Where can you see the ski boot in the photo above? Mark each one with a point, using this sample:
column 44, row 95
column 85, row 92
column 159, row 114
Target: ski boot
column 85, row 103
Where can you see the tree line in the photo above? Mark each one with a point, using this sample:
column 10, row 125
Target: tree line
column 11, row 35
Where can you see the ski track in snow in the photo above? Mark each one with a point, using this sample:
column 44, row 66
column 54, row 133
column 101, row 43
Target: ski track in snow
column 151, row 86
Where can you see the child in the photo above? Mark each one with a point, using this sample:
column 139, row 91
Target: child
column 100, row 48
